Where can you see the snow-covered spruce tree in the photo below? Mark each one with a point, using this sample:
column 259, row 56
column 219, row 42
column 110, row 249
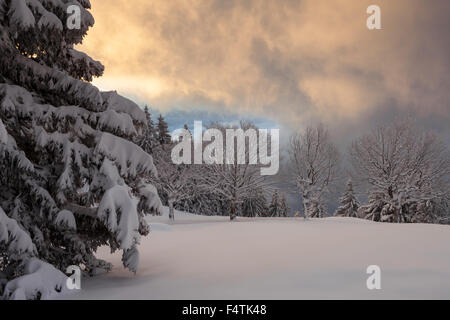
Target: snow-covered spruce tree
column 408, row 172
column 316, row 207
column 162, row 131
column 70, row 180
column 284, row 208
column 148, row 139
column 278, row 206
column 349, row 203
column 274, row 206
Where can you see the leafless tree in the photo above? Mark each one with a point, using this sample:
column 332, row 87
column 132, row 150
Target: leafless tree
column 174, row 180
column 407, row 170
column 315, row 162
column 235, row 182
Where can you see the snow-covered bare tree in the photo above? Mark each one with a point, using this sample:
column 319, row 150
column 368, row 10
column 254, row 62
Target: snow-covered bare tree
column 71, row 179
column 314, row 161
column 349, row 203
column 407, row 170
column 205, row 202
column 233, row 181
column 175, row 181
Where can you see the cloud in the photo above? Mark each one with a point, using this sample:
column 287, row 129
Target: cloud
column 291, row 61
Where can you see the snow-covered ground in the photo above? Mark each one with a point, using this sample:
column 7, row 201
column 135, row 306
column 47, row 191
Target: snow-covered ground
column 199, row 257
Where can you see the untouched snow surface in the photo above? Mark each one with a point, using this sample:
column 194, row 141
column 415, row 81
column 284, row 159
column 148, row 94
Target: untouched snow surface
column 199, row 257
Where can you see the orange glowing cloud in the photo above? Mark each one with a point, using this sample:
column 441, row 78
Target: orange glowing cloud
column 289, row 60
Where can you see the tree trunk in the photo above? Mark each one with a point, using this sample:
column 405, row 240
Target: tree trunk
column 171, row 210
column 305, row 205
column 232, row 211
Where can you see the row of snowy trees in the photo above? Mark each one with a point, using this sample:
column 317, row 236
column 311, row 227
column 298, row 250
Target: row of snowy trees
column 404, row 171
column 401, row 170
column 214, row 189
column 71, row 179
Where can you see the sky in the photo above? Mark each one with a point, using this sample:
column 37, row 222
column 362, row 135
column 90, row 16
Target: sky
column 286, row 63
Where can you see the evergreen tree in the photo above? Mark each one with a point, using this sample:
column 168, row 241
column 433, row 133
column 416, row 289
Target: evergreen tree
column 148, row 139
column 71, row 180
column 349, row 204
column 163, row 131
column 278, row 206
column 274, row 207
column 284, row 208
column 316, row 207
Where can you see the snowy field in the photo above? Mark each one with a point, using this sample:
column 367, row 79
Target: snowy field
column 199, row 257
